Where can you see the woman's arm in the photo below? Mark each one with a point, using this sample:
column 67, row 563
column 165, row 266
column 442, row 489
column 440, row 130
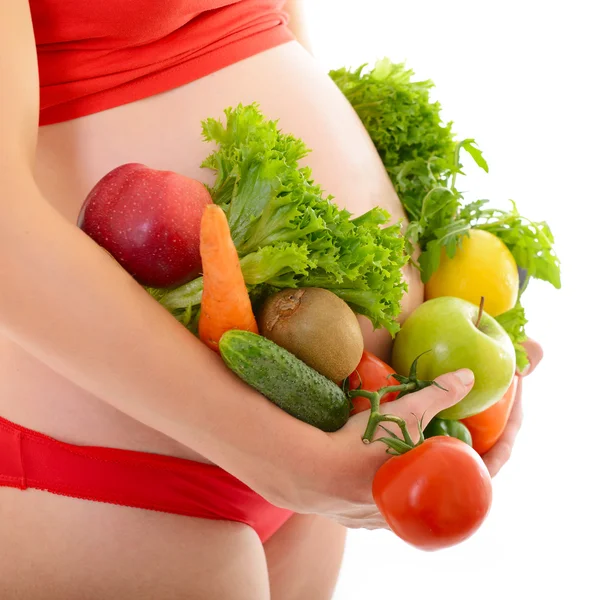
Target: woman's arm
column 297, row 22
column 69, row 304
column 73, row 307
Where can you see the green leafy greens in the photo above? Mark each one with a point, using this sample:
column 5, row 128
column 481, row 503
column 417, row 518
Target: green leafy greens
column 286, row 232
column 422, row 158
column 415, row 146
column 514, row 322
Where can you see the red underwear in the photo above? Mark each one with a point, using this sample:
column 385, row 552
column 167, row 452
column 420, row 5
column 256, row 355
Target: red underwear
column 137, row 479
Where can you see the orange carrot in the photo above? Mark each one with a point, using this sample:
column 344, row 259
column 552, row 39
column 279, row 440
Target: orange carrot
column 225, row 301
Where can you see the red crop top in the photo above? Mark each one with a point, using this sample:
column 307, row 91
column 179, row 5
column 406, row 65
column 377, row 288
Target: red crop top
column 95, row 55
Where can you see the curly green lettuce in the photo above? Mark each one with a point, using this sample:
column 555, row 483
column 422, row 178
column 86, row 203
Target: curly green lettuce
column 286, row 232
column 415, row 145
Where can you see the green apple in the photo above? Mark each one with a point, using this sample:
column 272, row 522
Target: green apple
column 450, row 329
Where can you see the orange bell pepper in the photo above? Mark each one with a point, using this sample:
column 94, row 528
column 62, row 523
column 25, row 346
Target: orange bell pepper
column 487, row 426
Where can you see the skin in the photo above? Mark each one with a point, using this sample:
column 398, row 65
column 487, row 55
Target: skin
column 80, row 363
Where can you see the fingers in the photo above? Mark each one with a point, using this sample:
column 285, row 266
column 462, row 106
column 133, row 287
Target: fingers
column 500, row 452
column 422, row 406
column 433, row 399
column 535, row 353
column 361, row 517
column 455, row 386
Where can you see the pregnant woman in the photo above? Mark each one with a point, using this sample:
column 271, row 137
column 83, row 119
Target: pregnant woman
column 132, row 463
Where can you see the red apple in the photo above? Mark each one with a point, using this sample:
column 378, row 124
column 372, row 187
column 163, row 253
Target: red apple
column 149, row 220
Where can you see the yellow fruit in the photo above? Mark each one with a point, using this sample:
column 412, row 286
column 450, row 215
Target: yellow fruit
column 482, row 266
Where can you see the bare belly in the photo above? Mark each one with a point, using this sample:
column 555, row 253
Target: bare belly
column 164, row 132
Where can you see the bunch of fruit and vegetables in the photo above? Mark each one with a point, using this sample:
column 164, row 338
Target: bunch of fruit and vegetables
column 269, row 273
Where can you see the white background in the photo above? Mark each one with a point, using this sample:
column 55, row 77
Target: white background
column 520, row 78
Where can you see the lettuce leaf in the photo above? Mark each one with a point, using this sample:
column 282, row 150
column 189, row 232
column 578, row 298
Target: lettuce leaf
column 513, row 321
column 287, row 233
column 415, row 145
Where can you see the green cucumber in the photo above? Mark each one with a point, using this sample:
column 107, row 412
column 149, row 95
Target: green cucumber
column 285, row 380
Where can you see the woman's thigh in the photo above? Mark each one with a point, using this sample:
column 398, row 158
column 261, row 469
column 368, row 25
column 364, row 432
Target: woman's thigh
column 304, row 558
column 53, row 547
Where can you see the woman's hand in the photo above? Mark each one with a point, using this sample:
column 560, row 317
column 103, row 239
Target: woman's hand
column 340, row 487
column 498, row 455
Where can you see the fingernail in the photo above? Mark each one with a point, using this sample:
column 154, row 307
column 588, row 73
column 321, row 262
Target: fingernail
column 465, row 375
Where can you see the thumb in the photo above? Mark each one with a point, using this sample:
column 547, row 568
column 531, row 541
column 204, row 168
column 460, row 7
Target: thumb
column 456, row 386
column 428, row 402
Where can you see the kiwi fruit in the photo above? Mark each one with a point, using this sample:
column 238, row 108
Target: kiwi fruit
column 316, row 326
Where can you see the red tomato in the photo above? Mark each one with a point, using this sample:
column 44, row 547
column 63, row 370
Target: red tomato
column 436, row 495
column 371, row 374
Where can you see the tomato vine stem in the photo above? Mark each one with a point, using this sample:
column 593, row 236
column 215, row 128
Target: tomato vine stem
column 405, row 386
